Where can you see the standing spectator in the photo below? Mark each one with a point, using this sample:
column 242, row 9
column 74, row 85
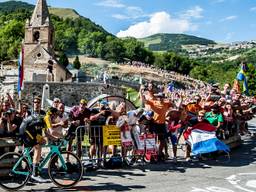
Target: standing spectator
column 98, row 119
column 24, row 111
column 79, row 116
column 229, row 119
column 216, row 119
column 37, row 107
column 59, row 123
column 56, row 102
column 226, row 89
column 10, row 123
column 160, row 106
column 194, row 107
column 191, row 124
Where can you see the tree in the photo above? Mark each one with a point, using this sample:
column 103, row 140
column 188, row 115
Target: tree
column 114, row 50
column 251, row 76
column 11, row 35
column 91, row 43
column 76, row 63
column 63, row 59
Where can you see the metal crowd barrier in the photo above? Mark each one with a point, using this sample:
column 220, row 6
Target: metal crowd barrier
column 94, row 151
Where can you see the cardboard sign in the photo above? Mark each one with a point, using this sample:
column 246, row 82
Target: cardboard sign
column 126, row 137
column 111, row 135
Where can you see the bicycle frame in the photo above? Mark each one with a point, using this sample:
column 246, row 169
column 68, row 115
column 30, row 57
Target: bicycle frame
column 26, row 155
column 54, row 150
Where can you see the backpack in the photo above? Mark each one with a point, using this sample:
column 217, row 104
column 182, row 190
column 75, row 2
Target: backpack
column 114, row 162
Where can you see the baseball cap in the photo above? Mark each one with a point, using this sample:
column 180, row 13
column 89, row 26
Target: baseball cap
column 103, row 102
column 83, row 101
column 150, row 113
column 56, row 100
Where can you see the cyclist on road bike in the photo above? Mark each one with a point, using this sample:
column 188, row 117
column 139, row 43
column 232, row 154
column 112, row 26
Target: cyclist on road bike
column 32, row 129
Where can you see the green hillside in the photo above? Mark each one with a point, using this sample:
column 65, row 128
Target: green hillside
column 64, row 13
column 174, row 42
column 11, row 6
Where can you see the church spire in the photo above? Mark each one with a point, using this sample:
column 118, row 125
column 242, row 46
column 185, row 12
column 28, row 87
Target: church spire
column 40, row 14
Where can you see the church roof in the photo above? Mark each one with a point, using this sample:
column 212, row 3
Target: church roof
column 40, row 15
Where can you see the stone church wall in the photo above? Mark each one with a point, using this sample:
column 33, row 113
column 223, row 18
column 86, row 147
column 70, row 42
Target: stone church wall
column 70, row 93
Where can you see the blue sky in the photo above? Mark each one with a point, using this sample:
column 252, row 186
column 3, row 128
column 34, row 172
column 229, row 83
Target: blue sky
column 219, row 20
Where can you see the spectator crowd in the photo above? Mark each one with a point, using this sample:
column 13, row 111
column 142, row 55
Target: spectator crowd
column 165, row 112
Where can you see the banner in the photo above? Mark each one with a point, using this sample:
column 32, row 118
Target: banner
column 21, row 71
column 126, row 137
column 111, row 135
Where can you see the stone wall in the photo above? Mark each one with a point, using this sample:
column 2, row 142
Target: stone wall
column 70, row 93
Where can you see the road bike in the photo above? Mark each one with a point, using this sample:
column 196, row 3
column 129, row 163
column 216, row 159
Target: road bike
column 64, row 168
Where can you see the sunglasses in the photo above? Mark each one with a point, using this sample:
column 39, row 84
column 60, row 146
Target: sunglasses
column 36, row 102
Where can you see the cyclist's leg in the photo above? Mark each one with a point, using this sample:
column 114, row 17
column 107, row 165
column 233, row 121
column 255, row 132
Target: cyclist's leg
column 36, row 159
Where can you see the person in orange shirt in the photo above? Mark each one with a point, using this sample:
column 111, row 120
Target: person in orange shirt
column 194, row 107
column 160, row 106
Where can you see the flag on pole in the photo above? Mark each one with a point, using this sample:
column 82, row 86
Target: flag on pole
column 21, row 71
column 241, row 76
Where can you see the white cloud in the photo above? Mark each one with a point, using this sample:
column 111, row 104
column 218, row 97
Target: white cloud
column 110, row 3
column 229, row 18
column 120, row 16
column 195, row 12
column 159, row 22
column 128, row 12
column 253, row 9
column 131, row 12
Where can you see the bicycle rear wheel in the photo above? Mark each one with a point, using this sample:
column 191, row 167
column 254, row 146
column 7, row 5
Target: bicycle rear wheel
column 15, row 171
column 65, row 170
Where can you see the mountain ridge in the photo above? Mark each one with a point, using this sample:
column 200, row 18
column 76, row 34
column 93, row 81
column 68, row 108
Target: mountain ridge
column 172, row 41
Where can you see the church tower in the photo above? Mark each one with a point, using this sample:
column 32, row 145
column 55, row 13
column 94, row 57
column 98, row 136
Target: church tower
column 39, row 58
column 39, row 29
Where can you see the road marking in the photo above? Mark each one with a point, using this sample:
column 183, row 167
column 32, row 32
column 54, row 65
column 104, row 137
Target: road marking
column 211, row 189
column 251, row 183
column 235, row 182
column 218, row 189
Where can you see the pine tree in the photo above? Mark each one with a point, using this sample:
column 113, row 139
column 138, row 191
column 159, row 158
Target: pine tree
column 63, row 59
column 76, row 63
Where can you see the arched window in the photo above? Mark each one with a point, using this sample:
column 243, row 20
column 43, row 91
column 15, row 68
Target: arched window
column 36, row 36
column 50, row 66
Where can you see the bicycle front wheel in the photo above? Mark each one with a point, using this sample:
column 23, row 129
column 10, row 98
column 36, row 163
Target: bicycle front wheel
column 15, row 171
column 65, row 170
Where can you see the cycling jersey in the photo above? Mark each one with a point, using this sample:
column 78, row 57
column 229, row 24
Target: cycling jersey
column 31, row 129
